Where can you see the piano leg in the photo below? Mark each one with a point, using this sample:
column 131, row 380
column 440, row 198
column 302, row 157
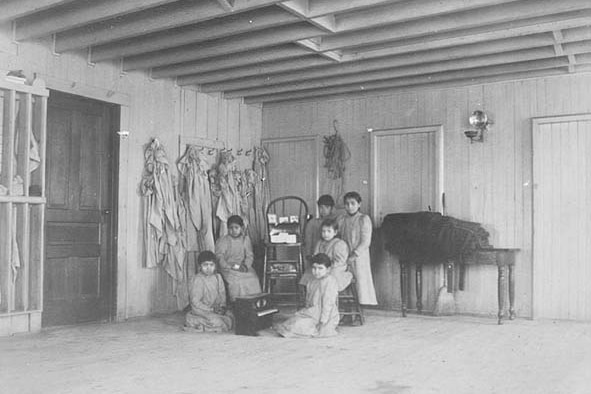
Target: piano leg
column 511, row 293
column 419, row 287
column 403, row 286
column 501, row 291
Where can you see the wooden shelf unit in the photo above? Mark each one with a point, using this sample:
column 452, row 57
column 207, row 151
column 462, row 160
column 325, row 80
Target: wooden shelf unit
column 23, row 117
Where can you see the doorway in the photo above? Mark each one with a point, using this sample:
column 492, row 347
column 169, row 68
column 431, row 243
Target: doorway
column 80, row 219
column 562, row 217
column 406, row 176
column 406, row 170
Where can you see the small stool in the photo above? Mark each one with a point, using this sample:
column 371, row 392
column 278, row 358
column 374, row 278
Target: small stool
column 349, row 304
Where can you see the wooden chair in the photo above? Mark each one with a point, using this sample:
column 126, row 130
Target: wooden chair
column 284, row 261
column 349, row 304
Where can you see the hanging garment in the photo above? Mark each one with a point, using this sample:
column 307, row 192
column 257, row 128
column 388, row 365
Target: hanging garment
column 356, row 231
column 231, row 251
column 250, row 177
column 262, row 191
column 163, row 238
column 207, row 295
column 229, row 201
column 196, row 196
column 320, row 317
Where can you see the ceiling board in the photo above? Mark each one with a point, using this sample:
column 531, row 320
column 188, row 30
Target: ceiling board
column 274, row 50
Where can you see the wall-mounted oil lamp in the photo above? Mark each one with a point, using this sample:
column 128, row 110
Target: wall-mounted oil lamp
column 479, row 121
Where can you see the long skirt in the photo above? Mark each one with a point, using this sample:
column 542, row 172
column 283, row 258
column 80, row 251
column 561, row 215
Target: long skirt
column 209, row 321
column 241, row 283
column 342, row 276
column 302, row 325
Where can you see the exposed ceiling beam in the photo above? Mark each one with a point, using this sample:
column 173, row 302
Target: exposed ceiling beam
column 576, row 47
column 540, row 45
column 411, row 10
column 329, row 7
column 450, row 22
column 208, row 30
column 223, row 46
column 301, row 8
column 577, row 33
column 13, row 9
column 78, row 14
column 431, row 85
column 476, row 75
column 349, row 66
column 287, row 51
column 314, row 46
column 270, row 86
column 233, row 73
column 227, row 5
column 149, row 21
column 476, row 35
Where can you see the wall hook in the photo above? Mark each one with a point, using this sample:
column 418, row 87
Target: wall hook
column 239, row 152
column 248, row 152
column 211, row 151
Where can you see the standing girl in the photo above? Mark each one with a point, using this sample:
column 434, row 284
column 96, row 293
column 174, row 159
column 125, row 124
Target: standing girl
column 320, row 317
column 234, row 252
column 356, row 228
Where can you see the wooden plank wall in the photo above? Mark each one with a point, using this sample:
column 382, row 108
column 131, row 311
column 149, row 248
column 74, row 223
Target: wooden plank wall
column 154, row 110
column 209, row 116
column 486, row 182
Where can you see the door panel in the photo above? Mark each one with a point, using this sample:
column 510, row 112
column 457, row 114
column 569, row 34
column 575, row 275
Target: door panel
column 407, row 168
column 293, row 168
column 78, row 221
column 562, row 217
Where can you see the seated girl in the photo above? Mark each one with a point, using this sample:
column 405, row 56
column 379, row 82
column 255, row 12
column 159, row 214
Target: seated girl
column 234, row 252
column 338, row 252
column 207, row 295
column 320, row 317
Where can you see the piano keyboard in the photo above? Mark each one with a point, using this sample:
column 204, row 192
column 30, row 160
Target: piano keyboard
column 267, row 312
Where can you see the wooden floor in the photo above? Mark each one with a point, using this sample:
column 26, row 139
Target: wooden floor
column 387, row 355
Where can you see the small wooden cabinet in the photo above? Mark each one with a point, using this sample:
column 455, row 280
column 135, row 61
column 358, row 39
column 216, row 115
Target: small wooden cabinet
column 23, row 114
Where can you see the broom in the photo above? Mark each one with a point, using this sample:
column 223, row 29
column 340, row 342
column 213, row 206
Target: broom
column 445, row 303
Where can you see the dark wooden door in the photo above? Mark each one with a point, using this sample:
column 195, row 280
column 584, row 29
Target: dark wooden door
column 78, row 278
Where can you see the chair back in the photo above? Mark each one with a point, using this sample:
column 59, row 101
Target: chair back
column 290, row 212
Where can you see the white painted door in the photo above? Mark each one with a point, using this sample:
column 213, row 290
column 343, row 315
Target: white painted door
column 293, row 168
column 562, row 217
column 407, row 170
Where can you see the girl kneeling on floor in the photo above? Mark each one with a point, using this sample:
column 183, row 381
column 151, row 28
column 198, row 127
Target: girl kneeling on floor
column 207, row 294
column 234, row 252
column 320, row 317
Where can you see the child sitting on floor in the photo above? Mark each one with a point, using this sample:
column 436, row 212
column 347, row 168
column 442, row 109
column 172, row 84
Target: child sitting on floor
column 338, row 252
column 234, row 252
column 207, row 295
column 320, row 317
